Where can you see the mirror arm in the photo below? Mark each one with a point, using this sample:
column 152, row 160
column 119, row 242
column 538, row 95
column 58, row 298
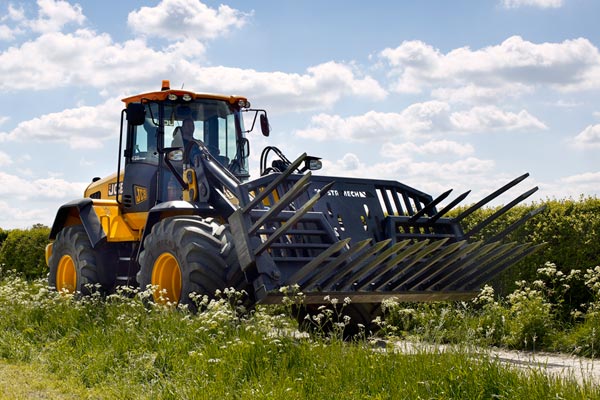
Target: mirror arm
column 256, row 111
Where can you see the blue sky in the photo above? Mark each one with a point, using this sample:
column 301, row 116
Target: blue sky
column 435, row 94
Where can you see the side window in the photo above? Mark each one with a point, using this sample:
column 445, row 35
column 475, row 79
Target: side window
column 144, row 143
column 227, row 137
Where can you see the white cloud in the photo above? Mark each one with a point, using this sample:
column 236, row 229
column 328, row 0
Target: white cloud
column 569, row 65
column 53, row 15
column 6, row 33
column 439, row 147
column 431, row 177
column 573, row 186
column 586, row 177
column 12, row 217
column 87, row 59
column 588, row 138
column 418, row 120
column 180, row 19
column 82, row 127
column 492, row 118
column 12, row 186
column 320, row 87
column 473, row 94
column 4, row 159
column 532, row 3
column 13, row 15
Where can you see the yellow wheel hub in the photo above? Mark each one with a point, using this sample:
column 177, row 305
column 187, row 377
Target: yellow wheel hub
column 66, row 275
column 166, row 276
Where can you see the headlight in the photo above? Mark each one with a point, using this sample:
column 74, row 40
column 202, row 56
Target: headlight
column 243, row 103
column 176, row 155
column 186, row 97
column 172, row 97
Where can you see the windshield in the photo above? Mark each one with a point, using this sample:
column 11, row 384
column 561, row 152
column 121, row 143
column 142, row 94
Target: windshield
column 210, row 121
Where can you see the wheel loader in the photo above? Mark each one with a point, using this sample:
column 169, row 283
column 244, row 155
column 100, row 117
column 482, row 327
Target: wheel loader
column 182, row 215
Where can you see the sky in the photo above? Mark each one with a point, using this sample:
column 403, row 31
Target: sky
column 435, row 94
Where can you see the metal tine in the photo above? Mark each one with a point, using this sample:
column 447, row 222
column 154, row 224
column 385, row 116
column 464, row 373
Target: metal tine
column 469, row 248
column 492, row 264
column 295, row 218
column 429, row 206
column 318, row 260
column 354, row 263
column 326, row 270
column 501, row 211
column 424, row 269
column 261, row 195
column 482, row 263
column 507, row 263
column 393, row 262
column 365, row 269
column 298, row 188
column 490, row 197
column 516, row 224
column 433, row 246
column 461, row 265
column 450, row 206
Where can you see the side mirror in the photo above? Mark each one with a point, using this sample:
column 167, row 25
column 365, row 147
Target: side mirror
column 136, row 113
column 264, row 124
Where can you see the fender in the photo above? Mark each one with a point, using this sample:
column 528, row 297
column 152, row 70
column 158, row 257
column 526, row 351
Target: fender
column 77, row 212
column 172, row 209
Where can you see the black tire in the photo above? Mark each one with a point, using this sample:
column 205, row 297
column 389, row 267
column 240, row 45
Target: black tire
column 75, row 266
column 184, row 255
column 361, row 319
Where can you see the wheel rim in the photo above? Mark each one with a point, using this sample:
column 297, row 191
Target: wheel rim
column 66, row 275
column 166, row 277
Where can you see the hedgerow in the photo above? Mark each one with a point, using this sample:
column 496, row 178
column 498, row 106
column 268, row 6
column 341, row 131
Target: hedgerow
column 23, row 251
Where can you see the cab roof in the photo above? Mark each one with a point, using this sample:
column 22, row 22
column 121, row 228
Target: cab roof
column 166, row 91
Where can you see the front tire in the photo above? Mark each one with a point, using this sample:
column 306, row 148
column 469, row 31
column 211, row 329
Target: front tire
column 74, row 264
column 184, row 255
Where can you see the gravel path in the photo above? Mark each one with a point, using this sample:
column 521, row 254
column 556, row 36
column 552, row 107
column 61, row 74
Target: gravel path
column 557, row 364
column 560, row 365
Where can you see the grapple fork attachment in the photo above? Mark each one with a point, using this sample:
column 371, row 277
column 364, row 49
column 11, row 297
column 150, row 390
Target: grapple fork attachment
column 365, row 239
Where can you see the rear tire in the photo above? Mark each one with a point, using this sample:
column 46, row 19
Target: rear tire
column 184, row 255
column 75, row 266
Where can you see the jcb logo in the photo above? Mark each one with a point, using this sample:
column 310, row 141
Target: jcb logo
column 112, row 189
column 141, row 194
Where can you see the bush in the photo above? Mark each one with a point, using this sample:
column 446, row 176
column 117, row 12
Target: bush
column 531, row 321
column 23, row 251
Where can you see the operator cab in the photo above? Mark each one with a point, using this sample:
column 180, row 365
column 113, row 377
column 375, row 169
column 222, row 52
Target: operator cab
column 212, row 122
column 159, row 123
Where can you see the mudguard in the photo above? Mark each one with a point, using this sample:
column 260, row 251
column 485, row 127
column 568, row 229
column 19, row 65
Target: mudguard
column 77, row 212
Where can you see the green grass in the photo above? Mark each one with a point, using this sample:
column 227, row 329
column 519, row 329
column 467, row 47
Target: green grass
column 127, row 348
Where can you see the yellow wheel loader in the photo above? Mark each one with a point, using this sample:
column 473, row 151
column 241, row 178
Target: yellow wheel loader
column 182, row 215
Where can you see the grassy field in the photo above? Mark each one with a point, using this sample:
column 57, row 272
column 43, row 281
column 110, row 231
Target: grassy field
column 55, row 346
